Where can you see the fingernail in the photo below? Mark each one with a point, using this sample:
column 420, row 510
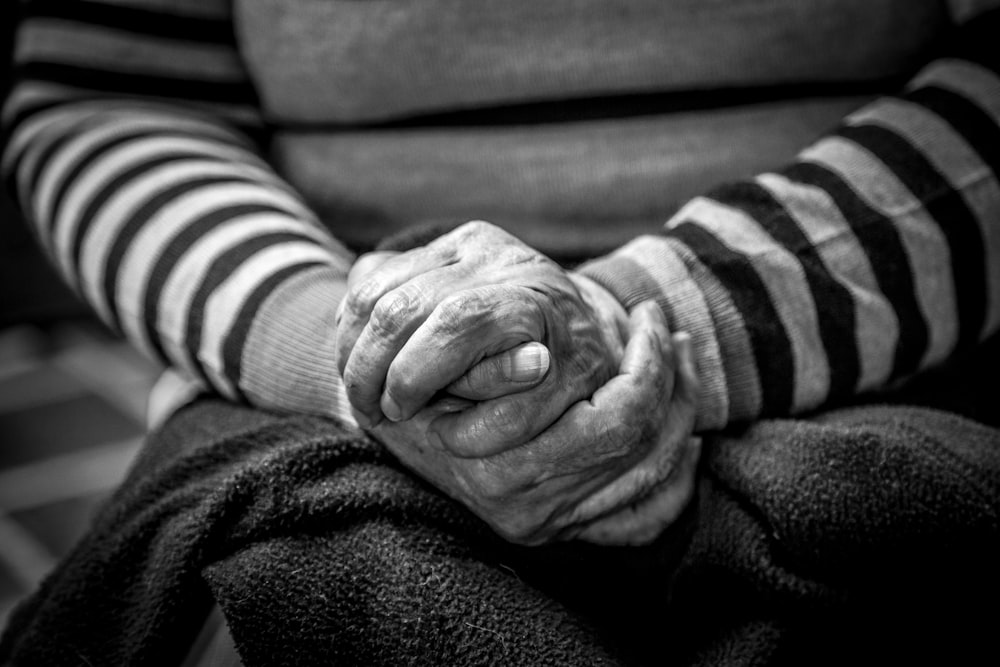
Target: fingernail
column 391, row 409
column 528, row 363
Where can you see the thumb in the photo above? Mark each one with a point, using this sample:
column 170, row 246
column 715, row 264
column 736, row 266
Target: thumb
column 509, row 372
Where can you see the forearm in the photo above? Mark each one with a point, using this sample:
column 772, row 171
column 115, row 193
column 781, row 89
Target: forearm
column 191, row 247
column 163, row 217
column 872, row 256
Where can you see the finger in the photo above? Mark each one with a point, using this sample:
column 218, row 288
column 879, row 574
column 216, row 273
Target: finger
column 647, row 318
column 638, row 481
column 688, row 383
column 511, row 371
column 367, row 289
column 588, row 446
column 644, row 521
column 504, row 490
column 395, row 317
column 494, row 426
column 618, row 421
column 362, row 266
column 407, row 441
column 461, row 331
column 595, row 441
column 678, row 422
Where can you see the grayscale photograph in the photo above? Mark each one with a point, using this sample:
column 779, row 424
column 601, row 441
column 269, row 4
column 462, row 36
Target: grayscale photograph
column 514, row 333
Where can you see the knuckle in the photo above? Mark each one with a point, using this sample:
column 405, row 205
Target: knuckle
column 481, row 230
column 363, row 296
column 455, row 313
column 442, row 250
column 392, row 311
column 477, row 228
column 402, row 384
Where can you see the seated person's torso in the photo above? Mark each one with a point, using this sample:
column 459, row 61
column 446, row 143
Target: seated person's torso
column 576, row 124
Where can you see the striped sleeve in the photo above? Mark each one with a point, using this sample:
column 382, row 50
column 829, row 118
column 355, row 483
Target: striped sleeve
column 875, row 254
column 130, row 147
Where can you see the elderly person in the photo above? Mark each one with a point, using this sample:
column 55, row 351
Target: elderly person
column 204, row 174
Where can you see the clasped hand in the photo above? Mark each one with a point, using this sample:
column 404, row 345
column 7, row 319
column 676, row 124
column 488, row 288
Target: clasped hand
column 520, row 389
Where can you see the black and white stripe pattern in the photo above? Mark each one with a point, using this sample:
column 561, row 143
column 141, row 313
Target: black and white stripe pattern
column 126, row 154
column 131, row 131
column 874, row 255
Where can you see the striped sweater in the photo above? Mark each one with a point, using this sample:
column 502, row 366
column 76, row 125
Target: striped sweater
column 133, row 144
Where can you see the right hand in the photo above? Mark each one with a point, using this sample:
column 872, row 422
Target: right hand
column 508, row 372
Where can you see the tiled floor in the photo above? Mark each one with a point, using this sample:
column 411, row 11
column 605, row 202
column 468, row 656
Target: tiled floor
column 72, row 408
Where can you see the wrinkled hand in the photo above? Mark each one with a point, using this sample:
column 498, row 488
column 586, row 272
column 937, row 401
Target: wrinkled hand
column 415, row 324
column 614, row 469
column 517, row 369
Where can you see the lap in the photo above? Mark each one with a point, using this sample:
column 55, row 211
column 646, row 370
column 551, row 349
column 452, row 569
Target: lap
column 849, row 504
column 318, row 547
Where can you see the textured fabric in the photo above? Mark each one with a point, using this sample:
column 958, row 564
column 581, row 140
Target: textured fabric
column 159, row 211
column 871, row 257
column 569, row 189
column 358, row 62
column 868, row 535
column 864, row 536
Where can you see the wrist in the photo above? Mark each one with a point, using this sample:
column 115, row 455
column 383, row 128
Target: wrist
column 289, row 357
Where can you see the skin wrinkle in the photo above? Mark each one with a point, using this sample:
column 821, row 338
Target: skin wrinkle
column 679, row 295
column 569, row 343
column 529, row 493
column 613, row 429
column 644, row 480
column 464, row 322
column 468, row 272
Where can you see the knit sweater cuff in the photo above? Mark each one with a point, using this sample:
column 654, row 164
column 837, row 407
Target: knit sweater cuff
column 288, row 361
column 655, row 268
